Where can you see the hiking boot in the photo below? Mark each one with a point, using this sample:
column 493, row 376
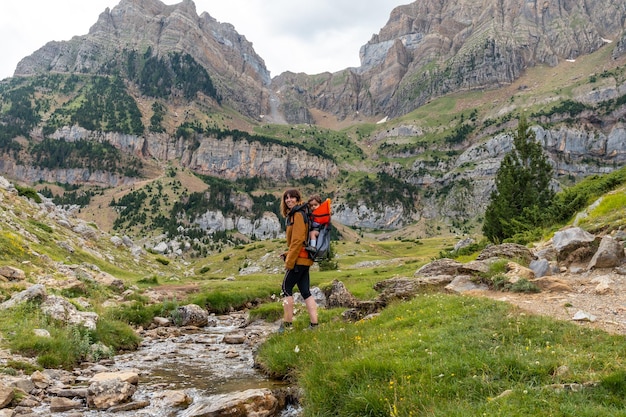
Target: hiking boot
column 311, row 249
column 312, row 326
column 285, row 327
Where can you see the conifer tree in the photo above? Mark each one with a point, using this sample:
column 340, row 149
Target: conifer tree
column 523, row 196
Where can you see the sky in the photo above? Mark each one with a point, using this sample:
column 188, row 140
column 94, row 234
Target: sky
column 310, row 36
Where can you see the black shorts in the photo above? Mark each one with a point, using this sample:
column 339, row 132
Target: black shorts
column 299, row 276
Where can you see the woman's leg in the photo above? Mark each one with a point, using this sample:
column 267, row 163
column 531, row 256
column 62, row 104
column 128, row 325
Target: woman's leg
column 289, row 282
column 288, row 309
column 311, row 308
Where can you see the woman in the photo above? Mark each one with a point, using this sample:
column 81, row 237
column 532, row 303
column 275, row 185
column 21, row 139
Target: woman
column 297, row 260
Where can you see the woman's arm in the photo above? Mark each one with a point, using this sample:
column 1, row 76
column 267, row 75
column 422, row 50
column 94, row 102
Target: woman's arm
column 298, row 237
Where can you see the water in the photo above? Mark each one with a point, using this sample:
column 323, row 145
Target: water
column 198, row 362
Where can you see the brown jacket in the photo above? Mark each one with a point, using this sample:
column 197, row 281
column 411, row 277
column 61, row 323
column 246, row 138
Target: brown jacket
column 296, row 236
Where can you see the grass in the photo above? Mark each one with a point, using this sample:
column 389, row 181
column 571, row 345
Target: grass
column 67, row 345
column 442, row 355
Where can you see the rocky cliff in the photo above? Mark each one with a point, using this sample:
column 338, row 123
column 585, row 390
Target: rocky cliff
column 225, row 158
column 430, row 48
column 427, row 49
column 136, row 25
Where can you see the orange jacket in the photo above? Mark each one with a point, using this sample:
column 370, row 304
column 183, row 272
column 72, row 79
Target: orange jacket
column 296, row 236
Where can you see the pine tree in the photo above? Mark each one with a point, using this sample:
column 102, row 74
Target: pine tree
column 523, row 195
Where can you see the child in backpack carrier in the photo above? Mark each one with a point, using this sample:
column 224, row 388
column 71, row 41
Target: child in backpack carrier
column 320, row 216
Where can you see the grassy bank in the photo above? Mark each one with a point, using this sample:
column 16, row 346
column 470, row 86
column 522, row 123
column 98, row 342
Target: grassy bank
column 442, row 355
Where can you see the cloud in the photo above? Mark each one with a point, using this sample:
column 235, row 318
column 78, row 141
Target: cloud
column 295, row 35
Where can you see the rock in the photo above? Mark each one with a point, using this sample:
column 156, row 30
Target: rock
column 12, row 273
column 162, row 321
column 463, row 244
column 567, row 241
column 86, row 230
column 125, row 376
column 35, row 292
column 610, row 254
column 583, row 316
column 435, row 280
column 508, row 251
column 398, row 289
column 551, row 284
column 474, row 268
column 445, row 266
column 339, row 296
column 251, row 402
column 21, row 383
column 191, row 315
column 109, row 280
column 464, row 283
column 516, row 271
column 172, row 398
column 40, row 380
column 160, row 248
column 603, row 284
column 60, row 309
column 6, row 395
column 60, row 404
column 72, row 393
column 41, row 333
column 107, row 393
column 540, row 267
column 134, row 405
column 234, row 338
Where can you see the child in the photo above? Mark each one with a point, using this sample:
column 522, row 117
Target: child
column 320, row 216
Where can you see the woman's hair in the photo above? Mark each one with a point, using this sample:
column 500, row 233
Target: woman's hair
column 315, row 197
column 289, row 193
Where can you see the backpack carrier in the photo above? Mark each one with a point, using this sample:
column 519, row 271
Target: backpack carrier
column 320, row 215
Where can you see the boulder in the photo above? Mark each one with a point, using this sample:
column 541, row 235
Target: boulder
column 172, row 398
column 12, row 273
column 540, row 267
column 60, row 404
column 610, row 254
column 398, row 288
column 445, row 266
column 516, row 271
column 508, row 251
column 6, row 395
column 339, row 296
column 32, row 293
column 464, row 283
column 109, row 280
column 125, row 376
column 103, row 394
column 60, row 309
column 192, row 315
column 568, row 240
column 251, row 402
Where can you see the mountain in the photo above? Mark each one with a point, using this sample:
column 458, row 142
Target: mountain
column 166, row 124
column 431, row 48
column 132, row 27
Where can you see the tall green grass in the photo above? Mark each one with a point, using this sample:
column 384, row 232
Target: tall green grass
column 67, row 345
column 442, row 355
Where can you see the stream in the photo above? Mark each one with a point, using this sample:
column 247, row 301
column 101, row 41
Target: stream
column 203, row 362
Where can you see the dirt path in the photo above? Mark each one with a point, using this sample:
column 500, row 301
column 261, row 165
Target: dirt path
column 601, row 294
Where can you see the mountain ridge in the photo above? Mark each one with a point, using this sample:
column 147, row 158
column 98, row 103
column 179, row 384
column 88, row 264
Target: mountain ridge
column 432, row 167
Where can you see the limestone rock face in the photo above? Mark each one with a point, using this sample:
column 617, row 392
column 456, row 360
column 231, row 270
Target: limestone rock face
column 239, row 73
column 431, row 47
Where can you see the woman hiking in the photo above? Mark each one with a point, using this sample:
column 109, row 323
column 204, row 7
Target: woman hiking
column 297, row 260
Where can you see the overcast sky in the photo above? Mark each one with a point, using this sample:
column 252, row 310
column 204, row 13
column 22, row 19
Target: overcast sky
column 308, row 36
